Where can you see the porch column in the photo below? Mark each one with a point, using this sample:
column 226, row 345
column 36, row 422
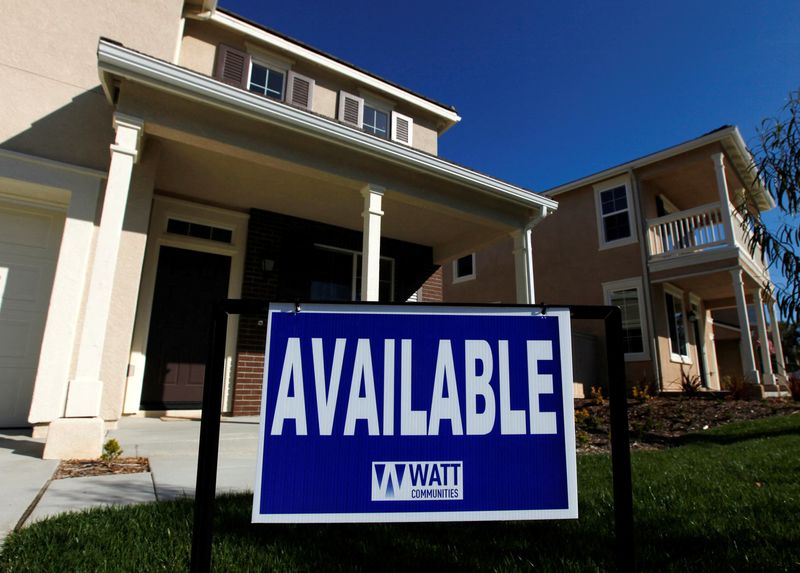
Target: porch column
column 777, row 342
column 371, row 248
column 745, row 345
column 80, row 432
column 767, row 376
column 725, row 203
column 523, row 266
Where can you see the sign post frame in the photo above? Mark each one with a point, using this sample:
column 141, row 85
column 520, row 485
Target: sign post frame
column 208, row 448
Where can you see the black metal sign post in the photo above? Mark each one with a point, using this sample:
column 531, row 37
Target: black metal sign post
column 208, row 449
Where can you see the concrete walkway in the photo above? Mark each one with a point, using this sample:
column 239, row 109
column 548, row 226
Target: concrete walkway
column 29, row 494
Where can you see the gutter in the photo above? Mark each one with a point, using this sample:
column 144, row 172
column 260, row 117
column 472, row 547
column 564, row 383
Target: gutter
column 116, row 60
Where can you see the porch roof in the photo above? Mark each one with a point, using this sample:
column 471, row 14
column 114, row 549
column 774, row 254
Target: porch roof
column 116, row 62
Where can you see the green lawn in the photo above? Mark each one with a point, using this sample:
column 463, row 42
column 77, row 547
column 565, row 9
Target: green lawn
column 726, row 500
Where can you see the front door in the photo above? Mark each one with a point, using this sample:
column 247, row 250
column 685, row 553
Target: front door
column 187, row 285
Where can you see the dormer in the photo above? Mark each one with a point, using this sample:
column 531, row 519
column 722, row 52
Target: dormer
column 261, row 61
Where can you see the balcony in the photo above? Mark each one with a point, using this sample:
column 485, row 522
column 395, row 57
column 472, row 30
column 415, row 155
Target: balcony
column 703, row 229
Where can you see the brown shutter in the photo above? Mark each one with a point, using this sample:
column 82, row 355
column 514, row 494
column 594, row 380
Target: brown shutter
column 300, row 91
column 351, row 109
column 232, row 66
column 402, row 128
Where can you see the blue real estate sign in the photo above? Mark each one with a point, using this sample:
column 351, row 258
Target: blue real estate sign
column 416, row 413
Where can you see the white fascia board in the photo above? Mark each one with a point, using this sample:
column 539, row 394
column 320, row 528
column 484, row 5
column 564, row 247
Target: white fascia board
column 116, row 60
column 449, row 116
column 730, row 134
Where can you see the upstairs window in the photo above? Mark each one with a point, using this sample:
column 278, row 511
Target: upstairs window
column 375, row 122
column 615, row 221
column 266, row 81
column 259, row 75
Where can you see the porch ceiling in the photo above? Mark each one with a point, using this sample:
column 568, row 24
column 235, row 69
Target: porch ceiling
column 218, row 179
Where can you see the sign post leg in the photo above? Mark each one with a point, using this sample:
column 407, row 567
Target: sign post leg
column 620, row 445
column 208, row 451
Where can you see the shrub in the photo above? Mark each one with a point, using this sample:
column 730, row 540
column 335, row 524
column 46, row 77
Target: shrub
column 111, row 450
column 736, row 387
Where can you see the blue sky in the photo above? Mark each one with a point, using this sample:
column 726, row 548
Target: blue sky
column 551, row 91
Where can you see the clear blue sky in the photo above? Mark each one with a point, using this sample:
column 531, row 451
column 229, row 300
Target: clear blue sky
column 550, row 91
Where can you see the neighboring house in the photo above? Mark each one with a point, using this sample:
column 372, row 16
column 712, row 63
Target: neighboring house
column 156, row 156
column 660, row 238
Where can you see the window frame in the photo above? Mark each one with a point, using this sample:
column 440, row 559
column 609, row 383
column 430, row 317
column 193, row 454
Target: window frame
column 632, row 283
column 599, row 189
column 354, row 294
column 257, row 59
column 675, row 292
column 468, row 277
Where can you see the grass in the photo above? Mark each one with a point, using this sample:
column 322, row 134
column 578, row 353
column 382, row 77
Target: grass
column 725, row 500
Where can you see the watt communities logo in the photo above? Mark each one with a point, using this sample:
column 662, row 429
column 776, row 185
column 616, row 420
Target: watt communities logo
column 417, row 481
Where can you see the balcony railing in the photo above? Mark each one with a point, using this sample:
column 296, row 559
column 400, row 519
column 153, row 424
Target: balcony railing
column 695, row 230
column 687, row 231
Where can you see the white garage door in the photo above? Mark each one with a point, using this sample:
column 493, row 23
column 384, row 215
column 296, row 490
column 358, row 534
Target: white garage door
column 29, row 241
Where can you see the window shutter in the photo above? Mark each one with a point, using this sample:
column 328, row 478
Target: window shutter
column 402, row 128
column 232, row 66
column 351, row 109
column 300, row 91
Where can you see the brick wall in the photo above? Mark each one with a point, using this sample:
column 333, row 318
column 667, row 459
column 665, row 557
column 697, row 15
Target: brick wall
column 432, row 288
column 288, row 243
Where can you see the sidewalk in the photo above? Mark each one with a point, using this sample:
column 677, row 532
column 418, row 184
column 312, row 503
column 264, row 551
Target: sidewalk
column 29, row 494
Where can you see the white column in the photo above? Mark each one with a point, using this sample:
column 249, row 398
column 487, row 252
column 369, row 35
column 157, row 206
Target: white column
column 83, row 398
column 767, row 376
column 371, row 248
column 745, row 345
column 523, row 266
column 777, row 342
column 725, row 203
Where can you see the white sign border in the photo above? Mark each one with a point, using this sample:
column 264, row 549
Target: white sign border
column 565, row 341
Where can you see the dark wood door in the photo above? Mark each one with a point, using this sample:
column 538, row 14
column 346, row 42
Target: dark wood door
column 187, row 284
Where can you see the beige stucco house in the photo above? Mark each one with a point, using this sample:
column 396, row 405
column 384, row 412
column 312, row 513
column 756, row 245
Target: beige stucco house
column 659, row 237
column 158, row 155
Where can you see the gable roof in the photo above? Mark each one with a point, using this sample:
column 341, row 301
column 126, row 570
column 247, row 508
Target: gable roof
column 727, row 135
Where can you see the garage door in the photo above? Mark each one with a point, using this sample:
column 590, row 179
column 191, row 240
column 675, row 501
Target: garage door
column 29, row 240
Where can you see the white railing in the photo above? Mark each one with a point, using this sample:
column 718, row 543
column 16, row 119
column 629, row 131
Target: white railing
column 687, row 231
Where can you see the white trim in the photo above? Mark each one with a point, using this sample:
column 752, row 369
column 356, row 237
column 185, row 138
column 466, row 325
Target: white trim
column 700, row 345
column 465, row 278
column 602, row 244
column 450, row 117
column 123, row 62
column 669, row 206
column 729, row 138
column 675, row 292
column 628, row 284
column 165, row 208
column 691, row 259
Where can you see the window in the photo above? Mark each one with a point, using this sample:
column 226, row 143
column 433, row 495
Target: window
column 676, row 320
column 615, row 224
column 373, row 115
column 464, row 268
column 375, row 122
column 627, row 295
column 199, row 231
column 266, row 81
column 336, row 275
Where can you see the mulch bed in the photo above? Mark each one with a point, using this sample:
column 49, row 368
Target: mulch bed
column 660, row 422
column 86, row 468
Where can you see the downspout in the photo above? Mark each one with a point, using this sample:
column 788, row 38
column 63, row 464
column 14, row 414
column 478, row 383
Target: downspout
column 646, row 286
column 528, row 238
